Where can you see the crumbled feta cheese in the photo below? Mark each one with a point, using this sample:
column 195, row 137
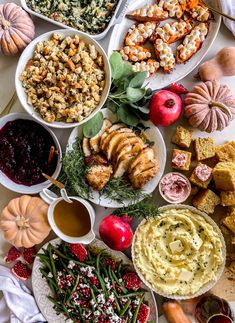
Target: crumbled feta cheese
column 54, row 256
column 71, row 264
column 88, row 270
column 101, row 299
column 96, row 313
column 50, row 275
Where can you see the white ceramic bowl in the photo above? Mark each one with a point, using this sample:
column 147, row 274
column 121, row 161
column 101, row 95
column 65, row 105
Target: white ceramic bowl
column 23, row 189
column 184, row 198
column 205, row 288
column 28, row 53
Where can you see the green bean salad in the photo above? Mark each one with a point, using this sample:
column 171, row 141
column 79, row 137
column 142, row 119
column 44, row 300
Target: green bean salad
column 92, row 287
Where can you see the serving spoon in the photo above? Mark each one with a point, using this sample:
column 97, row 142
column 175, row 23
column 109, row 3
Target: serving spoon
column 60, row 185
column 218, row 11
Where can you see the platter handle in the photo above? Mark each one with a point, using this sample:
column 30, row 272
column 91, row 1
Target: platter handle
column 119, row 16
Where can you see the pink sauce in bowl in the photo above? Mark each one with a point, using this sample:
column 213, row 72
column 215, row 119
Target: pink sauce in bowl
column 174, row 187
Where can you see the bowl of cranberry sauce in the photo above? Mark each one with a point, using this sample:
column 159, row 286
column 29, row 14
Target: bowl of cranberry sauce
column 27, row 150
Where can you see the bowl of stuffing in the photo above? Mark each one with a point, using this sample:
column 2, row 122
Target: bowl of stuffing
column 63, row 78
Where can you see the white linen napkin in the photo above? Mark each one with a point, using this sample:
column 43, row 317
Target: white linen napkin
column 17, row 304
column 228, row 7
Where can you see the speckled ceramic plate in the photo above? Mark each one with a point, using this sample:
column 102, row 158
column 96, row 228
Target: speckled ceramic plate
column 41, row 289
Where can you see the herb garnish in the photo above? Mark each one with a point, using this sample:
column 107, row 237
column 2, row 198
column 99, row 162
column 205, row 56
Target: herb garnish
column 128, row 97
column 143, row 209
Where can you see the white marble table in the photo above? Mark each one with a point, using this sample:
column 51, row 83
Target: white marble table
column 7, row 70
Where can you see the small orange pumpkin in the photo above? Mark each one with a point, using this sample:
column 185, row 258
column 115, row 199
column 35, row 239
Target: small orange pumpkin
column 16, row 29
column 24, row 221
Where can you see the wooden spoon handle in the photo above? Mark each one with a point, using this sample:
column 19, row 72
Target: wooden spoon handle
column 54, row 181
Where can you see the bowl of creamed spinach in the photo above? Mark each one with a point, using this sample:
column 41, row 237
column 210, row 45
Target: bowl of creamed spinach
column 89, row 16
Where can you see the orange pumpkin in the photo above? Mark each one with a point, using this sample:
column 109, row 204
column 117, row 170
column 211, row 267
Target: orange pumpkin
column 24, row 221
column 16, row 29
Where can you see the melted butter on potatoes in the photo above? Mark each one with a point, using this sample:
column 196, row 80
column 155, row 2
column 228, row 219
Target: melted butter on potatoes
column 178, row 252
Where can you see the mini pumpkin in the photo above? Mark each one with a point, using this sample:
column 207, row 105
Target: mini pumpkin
column 16, row 29
column 24, row 221
column 210, row 106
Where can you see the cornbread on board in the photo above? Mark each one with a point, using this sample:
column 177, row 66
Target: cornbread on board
column 227, row 198
column 181, row 159
column 197, row 181
column 206, row 201
column 204, row 148
column 226, row 152
column 229, row 221
column 224, row 176
column 182, row 137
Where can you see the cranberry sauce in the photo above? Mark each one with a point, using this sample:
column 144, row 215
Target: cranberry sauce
column 25, row 147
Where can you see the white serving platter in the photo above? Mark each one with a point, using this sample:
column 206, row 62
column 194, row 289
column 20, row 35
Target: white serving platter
column 153, row 134
column 42, row 290
column 160, row 80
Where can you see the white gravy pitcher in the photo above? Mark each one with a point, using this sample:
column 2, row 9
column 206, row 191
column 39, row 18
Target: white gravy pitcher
column 52, row 199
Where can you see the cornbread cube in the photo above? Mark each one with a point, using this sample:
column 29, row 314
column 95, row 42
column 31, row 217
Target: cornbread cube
column 226, row 152
column 206, row 201
column 204, row 148
column 224, row 176
column 227, row 198
column 182, row 137
column 229, row 221
column 198, row 181
column 181, row 159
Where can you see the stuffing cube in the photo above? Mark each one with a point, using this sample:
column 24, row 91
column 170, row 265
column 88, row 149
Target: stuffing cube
column 204, row 148
column 182, row 137
column 206, row 201
column 181, row 159
column 224, row 176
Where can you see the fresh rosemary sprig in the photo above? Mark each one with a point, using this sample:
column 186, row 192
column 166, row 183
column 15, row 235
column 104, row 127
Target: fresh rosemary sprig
column 143, row 209
column 119, row 190
column 74, row 169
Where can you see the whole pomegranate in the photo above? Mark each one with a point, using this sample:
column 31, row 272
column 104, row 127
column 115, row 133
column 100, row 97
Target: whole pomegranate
column 165, row 108
column 116, row 232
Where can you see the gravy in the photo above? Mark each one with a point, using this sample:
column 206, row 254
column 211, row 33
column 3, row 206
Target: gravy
column 72, row 218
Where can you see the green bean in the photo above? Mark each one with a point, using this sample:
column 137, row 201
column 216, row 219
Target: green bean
column 119, row 268
column 74, row 289
column 119, row 284
column 52, row 263
column 125, row 308
column 102, row 283
column 97, row 262
column 134, row 319
column 116, row 301
column 130, row 294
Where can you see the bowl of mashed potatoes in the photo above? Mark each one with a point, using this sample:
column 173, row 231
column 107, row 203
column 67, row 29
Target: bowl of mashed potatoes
column 180, row 253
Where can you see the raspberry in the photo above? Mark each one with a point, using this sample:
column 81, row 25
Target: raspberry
column 132, row 281
column 177, row 88
column 78, row 250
